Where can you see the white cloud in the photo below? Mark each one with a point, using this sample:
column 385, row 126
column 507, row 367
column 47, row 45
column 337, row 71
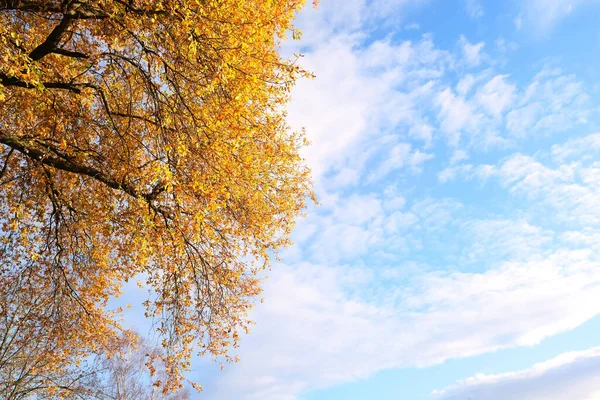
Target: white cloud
column 398, row 156
column 484, row 171
column 357, row 209
column 467, row 172
column 372, row 227
column 417, row 160
column 393, row 202
column 406, row 88
column 399, row 222
column 471, row 52
column 526, row 175
column 423, row 132
column 504, row 47
column 503, row 239
column 456, row 115
column 496, row 95
column 458, row 155
column 435, row 214
column 326, row 325
column 583, row 146
column 518, row 21
column 553, row 102
column 343, row 242
column 568, row 192
column 474, row 9
column 344, row 177
column 334, row 114
column 573, row 375
column 488, row 110
column 586, row 238
column 561, row 186
column 465, row 84
column 358, row 92
column 341, row 17
column 341, row 317
column 542, row 15
column 450, row 173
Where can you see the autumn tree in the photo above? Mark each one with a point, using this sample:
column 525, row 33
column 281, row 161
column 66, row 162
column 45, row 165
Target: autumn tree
column 143, row 138
column 32, row 361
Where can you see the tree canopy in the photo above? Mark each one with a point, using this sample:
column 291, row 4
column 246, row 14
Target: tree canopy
column 142, row 138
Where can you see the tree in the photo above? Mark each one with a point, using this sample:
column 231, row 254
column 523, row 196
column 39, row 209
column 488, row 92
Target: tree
column 144, row 138
column 32, row 361
column 126, row 374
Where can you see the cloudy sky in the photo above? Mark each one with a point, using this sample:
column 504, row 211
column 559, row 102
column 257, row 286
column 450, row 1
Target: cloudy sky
column 456, row 250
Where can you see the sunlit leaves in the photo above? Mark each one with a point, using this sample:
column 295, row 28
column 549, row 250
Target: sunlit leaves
column 145, row 138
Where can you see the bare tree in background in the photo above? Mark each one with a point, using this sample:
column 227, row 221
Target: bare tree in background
column 129, row 375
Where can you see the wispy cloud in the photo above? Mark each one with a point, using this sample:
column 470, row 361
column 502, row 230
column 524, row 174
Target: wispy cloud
column 327, row 325
column 474, row 8
column 472, row 52
column 574, row 375
column 337, row 318
column 542, row 15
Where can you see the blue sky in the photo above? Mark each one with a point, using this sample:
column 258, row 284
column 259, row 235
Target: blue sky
column 456, row 250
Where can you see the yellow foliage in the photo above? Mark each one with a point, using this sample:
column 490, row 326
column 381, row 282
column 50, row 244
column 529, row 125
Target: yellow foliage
column 144, row 137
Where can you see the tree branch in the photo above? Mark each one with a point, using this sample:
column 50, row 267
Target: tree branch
column 82, row 12
column 66, row 163
column 6, row 159
column 69, row 53
column 24, row 5
column 53, row 39
column 12, row 81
